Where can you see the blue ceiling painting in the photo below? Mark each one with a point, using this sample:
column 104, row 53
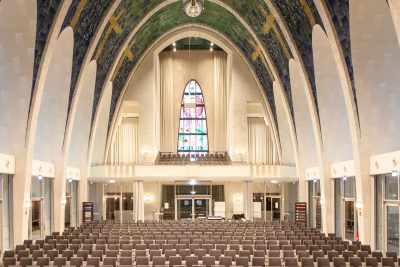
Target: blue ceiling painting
column 172, row 16
column 340, row 14
column 85, row 17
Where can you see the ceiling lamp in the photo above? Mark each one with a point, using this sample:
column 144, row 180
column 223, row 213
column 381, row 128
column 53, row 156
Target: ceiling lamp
column 193, row 8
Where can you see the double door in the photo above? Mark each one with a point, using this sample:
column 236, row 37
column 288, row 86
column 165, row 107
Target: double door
column 119, row 207
column 192, row 207
column 273, row 208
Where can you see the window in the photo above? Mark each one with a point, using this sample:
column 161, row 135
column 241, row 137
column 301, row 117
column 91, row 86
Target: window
column 192, row 136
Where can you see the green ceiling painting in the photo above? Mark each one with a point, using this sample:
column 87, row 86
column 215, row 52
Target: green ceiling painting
column 172, row 16
column 85, row 17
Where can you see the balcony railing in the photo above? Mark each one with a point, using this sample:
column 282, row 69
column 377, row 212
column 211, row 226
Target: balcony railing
column 210, row 158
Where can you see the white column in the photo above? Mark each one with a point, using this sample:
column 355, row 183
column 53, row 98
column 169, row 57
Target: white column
column 248, row 199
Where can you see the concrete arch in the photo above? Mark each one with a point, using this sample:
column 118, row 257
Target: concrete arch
column 288, row 145
column 81, row 129
column 53, row 109
column 98, row 137
column 53, row 114
column 22, row 175
column 75, row 152
column 206, row 33
column 265, row 54
column 308, row 154
column 17, row 47
column 335, row 127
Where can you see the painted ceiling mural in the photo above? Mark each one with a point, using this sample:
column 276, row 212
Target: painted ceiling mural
column 172, row 16
column 257, row 14
column 340, row 14
column 85, row 16
column 46, row 12
column 300, row 17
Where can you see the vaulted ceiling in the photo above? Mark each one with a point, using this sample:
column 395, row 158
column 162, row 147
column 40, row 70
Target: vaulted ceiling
column 268, row 33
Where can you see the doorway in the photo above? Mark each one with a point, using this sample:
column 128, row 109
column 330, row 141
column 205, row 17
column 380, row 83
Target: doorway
column 192, row 207
column 71, row 203
column 392, row 227
column 273, row 209
column 37, row 220
column 112, row 208
column 349, row 219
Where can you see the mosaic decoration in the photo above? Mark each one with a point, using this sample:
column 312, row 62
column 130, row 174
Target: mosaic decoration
column 213, row 16
column 124, row 19
column 257, row 14
column 84, row 16
column 46, row 12
column 192, row 134
column 339, row 11
column 301, row 16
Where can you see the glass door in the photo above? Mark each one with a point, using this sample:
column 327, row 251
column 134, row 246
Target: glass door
column 317, row 212
column 392, row 227
column 67, row 215
column 127, row 206
column 349, row 220
column 273, row 208
column 112, row 208
column 184, row 209
column 276, row 208
column 37, row 225
column 201, row 207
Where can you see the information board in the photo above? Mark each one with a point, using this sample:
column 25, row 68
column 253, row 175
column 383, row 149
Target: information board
column 87, row 209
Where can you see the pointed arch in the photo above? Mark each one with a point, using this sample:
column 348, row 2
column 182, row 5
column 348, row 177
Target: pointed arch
column 192, row 132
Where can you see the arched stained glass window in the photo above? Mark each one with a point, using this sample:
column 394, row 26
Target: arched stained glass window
column 192, row 136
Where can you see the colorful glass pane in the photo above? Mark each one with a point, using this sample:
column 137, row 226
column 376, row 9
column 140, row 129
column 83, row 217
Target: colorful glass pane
column 192, row 133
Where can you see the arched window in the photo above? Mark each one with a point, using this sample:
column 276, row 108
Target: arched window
column 192, row 136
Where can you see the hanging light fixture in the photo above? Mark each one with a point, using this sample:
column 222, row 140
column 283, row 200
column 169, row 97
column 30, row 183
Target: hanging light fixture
column 193, row 8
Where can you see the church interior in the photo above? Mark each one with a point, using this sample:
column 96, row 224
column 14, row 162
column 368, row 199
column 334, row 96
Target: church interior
column 200, row 133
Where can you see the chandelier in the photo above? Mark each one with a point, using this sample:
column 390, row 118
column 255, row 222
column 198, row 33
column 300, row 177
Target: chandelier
column 193, row 8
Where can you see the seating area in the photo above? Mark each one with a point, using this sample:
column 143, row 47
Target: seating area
column 193, row 244
column 211, row 158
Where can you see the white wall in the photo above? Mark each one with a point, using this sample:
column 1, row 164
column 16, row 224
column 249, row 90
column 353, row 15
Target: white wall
column 152, row 205
column 243, row 89
column 376, row 60
column 17, row 48
column 142, row 90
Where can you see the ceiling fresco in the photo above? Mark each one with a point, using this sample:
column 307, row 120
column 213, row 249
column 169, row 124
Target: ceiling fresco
column 46, row 12
column 340, row 14
column 85, row 17
column 172, row 16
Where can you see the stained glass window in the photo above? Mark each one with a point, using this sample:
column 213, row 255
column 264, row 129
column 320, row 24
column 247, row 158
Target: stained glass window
column 192, row 136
